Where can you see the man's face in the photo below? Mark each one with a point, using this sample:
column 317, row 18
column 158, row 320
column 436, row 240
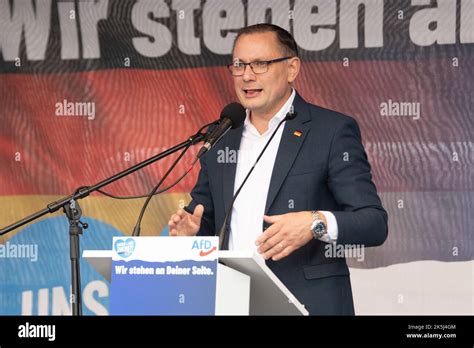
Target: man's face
column 263, row 94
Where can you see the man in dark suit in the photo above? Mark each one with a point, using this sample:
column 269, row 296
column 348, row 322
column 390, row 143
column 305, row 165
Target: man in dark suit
column 311, row 188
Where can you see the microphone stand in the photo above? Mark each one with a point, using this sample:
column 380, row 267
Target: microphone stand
column 73, row 213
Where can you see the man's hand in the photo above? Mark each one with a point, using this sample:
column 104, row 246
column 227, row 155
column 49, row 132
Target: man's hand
column 287, row 233
column 184, row 224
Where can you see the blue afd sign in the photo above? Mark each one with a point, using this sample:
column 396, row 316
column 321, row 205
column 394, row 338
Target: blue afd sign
column 164, row 276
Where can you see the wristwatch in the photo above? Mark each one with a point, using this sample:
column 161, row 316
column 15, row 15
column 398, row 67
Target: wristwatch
column 318, row 227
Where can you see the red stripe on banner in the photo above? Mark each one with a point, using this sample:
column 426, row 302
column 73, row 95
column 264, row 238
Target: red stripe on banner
column 139, row 113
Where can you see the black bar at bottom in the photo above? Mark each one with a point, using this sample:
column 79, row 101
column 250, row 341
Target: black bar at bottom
column 133, row 331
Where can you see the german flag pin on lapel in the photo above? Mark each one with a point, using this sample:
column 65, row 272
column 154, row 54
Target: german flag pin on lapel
column 297, row 133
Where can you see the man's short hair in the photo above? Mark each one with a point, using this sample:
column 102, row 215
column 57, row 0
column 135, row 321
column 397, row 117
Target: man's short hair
column 285, row 39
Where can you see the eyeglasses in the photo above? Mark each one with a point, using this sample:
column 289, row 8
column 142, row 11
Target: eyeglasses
column 237, row 68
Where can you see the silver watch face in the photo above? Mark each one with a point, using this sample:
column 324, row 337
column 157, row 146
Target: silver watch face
column 319, row 229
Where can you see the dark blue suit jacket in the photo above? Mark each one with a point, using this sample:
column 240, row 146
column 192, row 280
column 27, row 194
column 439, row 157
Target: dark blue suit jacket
column 325, row 168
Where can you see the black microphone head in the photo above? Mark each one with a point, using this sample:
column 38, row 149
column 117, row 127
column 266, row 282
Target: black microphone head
column 235, row 112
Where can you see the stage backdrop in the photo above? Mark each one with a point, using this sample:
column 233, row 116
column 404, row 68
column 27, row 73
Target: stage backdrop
column 89, row 88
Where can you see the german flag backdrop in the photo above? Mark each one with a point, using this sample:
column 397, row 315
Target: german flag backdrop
column 89, row 88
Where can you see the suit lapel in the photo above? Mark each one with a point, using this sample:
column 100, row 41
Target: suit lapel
column 292, row 138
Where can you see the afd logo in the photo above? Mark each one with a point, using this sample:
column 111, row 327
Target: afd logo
column 204, row 247
column 124, row 247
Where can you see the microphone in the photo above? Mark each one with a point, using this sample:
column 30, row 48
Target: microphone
column 232, row 116
column 222, row 232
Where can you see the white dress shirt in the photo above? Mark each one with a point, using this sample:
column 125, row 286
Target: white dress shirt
column 249, row 207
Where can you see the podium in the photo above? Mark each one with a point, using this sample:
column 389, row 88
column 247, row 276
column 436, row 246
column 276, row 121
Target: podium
column 245, row 284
